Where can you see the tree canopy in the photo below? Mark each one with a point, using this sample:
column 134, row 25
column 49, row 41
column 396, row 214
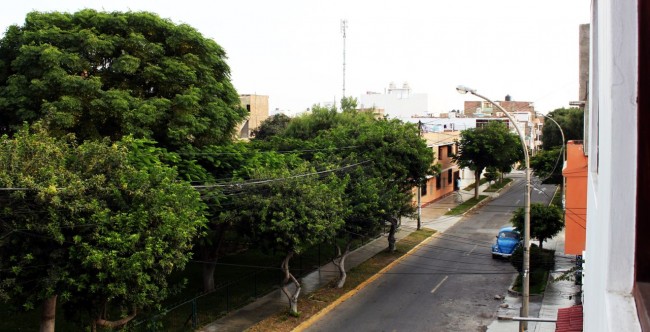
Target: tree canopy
column 100, row 74
column 492, row 145
column 292, row 211
column 545, row 221
column 547, row 165
column 572, row 122
column 88, row 228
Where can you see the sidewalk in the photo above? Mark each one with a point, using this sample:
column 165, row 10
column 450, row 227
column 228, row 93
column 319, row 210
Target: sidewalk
column 265, row 306
column 561, row 294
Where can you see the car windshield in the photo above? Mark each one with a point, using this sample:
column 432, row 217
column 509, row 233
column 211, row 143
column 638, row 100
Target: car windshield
column 509, row 235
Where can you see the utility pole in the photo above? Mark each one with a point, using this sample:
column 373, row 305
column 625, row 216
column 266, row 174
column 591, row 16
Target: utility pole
column 419, row 186
column 344, row 26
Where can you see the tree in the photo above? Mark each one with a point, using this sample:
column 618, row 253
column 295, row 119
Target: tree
column 291, row 212
column 492, row 145
column 348, row 104
column 87, row 228
column 572, row 122
column 100, row 75
column 392, row 156
column 272, row 126
column 545, row 221
column 547, row 165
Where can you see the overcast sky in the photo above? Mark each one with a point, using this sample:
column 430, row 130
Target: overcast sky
column 292, row 51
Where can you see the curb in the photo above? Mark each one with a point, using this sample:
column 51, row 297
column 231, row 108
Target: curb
column 307, row 323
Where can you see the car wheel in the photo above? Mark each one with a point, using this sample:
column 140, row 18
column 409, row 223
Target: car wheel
column 495, row 256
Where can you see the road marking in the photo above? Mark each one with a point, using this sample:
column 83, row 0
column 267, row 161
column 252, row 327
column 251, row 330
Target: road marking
column 471, row 251
column 439, row 284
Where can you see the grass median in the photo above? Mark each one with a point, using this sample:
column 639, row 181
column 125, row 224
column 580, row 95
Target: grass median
column 465, row 206
column 311, row 304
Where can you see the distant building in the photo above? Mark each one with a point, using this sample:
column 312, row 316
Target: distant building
column 523, row 111
column 396, row 102
column 258, row 111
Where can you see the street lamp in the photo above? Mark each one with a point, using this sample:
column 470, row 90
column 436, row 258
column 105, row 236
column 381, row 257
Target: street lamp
column 563, row 153
column 525, row 280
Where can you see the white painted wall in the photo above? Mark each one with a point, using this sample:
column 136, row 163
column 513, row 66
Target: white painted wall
column 397, row 105
column 609, row 252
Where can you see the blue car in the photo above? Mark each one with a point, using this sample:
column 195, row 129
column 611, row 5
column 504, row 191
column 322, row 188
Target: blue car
column 508, row 240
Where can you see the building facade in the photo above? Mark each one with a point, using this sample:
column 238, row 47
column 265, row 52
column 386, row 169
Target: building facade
column 400, row 103
column 443, row 145
column 617, row 256
column 575, row 192
column 258, row 111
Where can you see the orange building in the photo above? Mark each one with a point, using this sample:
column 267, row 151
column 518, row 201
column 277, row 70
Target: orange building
column 443, row 144
column 575, row 219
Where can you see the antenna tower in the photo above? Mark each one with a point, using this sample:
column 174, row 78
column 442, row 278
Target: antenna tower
column 344, row 26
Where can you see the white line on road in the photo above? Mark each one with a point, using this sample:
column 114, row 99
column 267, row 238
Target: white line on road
column 439, row 284
column 471, row 251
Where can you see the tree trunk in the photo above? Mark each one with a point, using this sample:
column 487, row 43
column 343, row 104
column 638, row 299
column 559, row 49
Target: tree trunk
column 391, row 234
column 210, row 255
column 341, row 264
column 477, row 182
column 48, row 314
column 101, row 321
column 208, row 276
column 288, row 277
column 540, row 244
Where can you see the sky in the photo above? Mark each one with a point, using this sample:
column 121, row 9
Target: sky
column 292, row 50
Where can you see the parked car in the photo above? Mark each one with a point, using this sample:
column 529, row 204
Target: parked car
column 508, row 240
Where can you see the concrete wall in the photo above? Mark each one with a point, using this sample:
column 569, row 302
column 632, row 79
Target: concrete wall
column 258, row 107
column 611, row 196
column 395, row 105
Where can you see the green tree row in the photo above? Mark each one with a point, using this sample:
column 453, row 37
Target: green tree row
column 118, row 165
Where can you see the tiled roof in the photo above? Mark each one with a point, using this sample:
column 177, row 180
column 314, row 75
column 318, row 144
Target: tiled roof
column 569, row 319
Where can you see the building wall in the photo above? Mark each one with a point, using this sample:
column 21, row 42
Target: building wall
column 443, row 145
column 611, row 187
column 398, row 103
column 258, row 108
column 575, row 219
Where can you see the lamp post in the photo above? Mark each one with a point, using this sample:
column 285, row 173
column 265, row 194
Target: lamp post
column 523, row 325
column 563, row 153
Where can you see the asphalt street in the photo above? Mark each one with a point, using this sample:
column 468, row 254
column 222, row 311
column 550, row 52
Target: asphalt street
column 449, row 284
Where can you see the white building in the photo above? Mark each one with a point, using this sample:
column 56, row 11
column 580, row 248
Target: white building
column 617, row 255
column 400, row 103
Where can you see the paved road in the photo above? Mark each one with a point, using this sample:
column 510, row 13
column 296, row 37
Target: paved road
column 447, row 285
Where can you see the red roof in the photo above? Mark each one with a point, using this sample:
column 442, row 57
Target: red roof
column 569, row 319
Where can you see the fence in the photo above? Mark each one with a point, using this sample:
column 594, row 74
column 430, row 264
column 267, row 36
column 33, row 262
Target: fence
column 208, row 307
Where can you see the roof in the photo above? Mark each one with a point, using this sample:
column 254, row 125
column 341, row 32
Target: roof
column 569, row 319
column 508, row 229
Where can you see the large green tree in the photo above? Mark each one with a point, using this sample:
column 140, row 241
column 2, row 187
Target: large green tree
column 100, row 74
column 95, row 227
column 390, row 154
column 572, row 122
column 290, row 211
column 545, row 221
column 492, row 145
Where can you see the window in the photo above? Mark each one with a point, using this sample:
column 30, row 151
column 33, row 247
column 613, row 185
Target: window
column 423, row 189
column 450, row 175
column 440, row 152
column 438, row 181
column 450, row 150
